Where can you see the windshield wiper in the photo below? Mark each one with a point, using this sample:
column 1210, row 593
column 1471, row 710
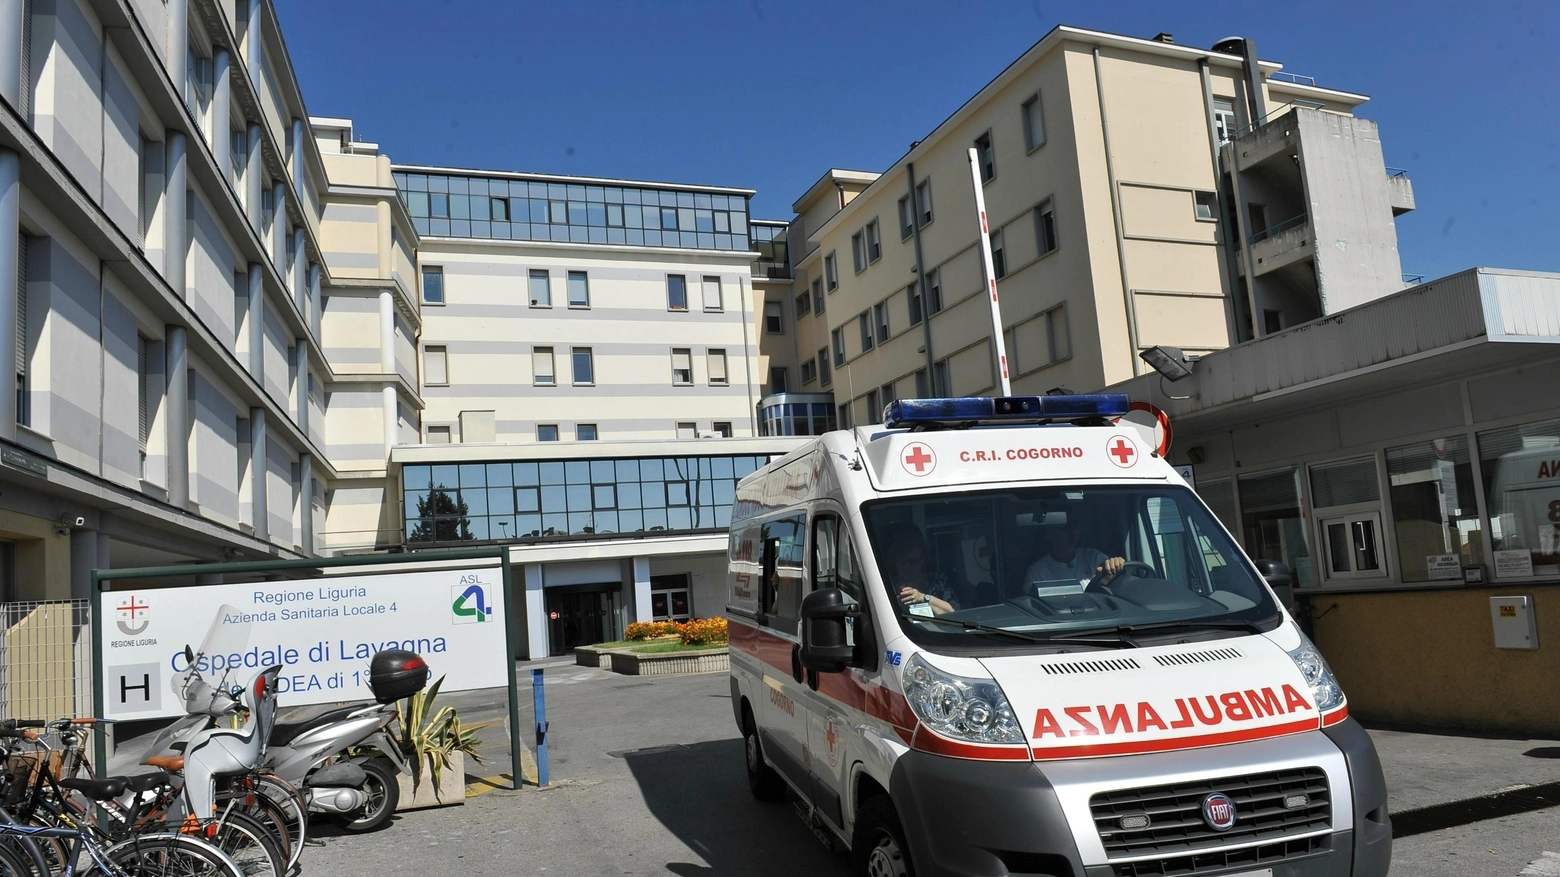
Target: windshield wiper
column 1120, row 632
column 1109, row 637
column 981, row 628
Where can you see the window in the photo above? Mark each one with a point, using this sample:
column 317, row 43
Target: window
column 499, row 207
column 676, row 292
column 886, row 394
column 803, row 307
column 942, row 384
column 834, row 561
column 1040, row 341
column 436, row 370
column 1033, row 115
column 669, row 599
column 934, row 304
column 722, row 428
column 784, row 549
column 774, row 318
column 777, row 379
column 1272, row 525
column 844, row 416
column 547, row 432
column 1521, row 466
column 438, row 435
column 906, row 218
column 874, row 413
column 1272, row 321
column 1206, row 205
column 874, row 242
column 1347, row 499
column 585, row 432
column 858, row 251
column 809, row 371
column 1434, row 514
column 817, row 290
column 923, row 202
column 831, row 273
column 913, row 298
column 880, row 317
column 584, row 366
column 433, row 284
column 142, row 398
column 717, row 366
column 714, row 301
column 1224, row 118
column 837, row 341
column 922, row 388
column 1045, row 227
column 864, row 322
column 541, row 288
column 685, row 430
column 825, row 375
column 682, row 367
column 986, row 156
column 542, row 373
column 998, row 257
column 579, row 290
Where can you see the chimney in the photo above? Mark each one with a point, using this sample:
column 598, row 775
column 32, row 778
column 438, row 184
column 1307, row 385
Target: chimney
column 1164, row 37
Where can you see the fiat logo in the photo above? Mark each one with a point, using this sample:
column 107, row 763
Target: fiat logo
column 1219, row 811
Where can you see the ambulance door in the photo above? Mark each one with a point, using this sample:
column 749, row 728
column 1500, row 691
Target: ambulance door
column 783, row 718
column 831, row 709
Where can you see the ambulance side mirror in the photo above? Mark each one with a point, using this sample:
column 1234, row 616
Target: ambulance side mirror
column 826, row 646
column 1275, row 574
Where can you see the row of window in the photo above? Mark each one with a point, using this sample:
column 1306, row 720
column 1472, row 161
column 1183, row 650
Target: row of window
column 1032, row 120
column 1444, row 528
column 582, row 362
column 539, row 289
column 443, row 433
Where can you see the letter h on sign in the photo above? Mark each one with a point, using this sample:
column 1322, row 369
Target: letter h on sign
column 137, row 687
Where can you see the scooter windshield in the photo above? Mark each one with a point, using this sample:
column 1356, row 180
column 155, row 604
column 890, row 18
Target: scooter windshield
column 220, row 655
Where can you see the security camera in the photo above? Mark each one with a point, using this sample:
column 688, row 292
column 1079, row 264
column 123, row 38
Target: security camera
column 68, row 520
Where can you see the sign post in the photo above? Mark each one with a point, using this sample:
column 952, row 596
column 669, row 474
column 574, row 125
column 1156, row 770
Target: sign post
column 988, row 267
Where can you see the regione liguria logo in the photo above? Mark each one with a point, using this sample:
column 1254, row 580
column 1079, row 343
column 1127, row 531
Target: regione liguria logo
column 131, row 616
column 470, row 605
column 1219, row 811
column 918, row 459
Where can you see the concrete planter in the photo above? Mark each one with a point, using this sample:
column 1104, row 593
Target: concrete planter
column 451, row 788
column 714, row 660
column 590, row 656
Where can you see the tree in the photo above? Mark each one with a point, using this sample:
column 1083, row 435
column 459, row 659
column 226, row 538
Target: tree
column 442, row 517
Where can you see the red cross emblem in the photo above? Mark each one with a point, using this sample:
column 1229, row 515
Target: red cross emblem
column 918, row 460
column 133, row 607
column 130, row 626
column 1121, row 452
column 831, row 741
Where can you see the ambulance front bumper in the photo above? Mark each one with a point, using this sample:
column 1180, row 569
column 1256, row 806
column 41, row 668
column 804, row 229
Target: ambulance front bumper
column 965, row 817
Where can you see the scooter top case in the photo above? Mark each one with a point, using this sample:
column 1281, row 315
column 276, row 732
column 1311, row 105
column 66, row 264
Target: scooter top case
column 396, row 673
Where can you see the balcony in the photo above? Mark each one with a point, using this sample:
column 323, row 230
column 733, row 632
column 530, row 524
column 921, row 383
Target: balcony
column 1400, row 191
column 1282, row 244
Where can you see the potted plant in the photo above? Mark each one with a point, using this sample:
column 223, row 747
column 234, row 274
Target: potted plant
column 435, row 744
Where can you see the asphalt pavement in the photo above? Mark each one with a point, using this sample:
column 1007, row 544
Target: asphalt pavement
column 647, row 780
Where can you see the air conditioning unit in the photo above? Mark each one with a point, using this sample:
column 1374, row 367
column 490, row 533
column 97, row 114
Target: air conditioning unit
column 704, row 434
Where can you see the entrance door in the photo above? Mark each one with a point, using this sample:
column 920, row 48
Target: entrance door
column 580, row 618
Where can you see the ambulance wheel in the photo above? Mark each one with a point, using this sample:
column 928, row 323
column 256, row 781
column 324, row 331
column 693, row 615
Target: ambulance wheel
column 763, row 782
column 879, row 849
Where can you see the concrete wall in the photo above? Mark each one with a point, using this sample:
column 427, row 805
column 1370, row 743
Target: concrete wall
column 1351, row 209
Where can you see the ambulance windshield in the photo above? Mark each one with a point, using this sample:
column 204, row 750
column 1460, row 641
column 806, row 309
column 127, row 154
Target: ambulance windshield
column 1050, row 562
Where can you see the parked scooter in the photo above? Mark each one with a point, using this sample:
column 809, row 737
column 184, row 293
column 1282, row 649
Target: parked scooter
column 361, row 792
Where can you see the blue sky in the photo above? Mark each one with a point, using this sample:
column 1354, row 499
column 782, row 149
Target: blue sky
column 726, row 93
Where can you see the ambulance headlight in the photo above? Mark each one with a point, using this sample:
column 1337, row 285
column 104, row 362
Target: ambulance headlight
column 1324, row 687
column 974, row 710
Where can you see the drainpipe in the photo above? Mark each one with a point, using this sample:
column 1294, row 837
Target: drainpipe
column 1115, row 206
column 920, row 274
column 1221, row 230
column 747, row 361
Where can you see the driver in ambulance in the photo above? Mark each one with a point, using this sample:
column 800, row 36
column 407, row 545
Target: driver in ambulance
column 1066, row 560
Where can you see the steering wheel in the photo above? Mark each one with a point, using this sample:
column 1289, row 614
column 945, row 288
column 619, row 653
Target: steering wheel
column 1096, row 584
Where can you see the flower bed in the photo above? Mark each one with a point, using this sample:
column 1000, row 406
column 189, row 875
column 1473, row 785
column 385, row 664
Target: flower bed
column 697, row 632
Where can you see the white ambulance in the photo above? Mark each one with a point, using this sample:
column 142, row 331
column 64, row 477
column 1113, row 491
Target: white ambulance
column 1002, row 636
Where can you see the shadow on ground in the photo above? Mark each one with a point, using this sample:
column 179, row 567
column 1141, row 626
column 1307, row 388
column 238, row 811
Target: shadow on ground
column 698, row 791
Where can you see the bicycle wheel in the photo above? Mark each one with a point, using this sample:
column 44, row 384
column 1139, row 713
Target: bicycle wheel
column 249, row 845
column 269, row 814
column 294, row 807
column 14, row 864
column 165, row 855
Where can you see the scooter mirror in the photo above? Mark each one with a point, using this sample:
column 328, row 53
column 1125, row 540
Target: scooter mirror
column 189, row 654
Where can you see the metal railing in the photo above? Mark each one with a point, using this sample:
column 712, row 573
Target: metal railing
column 1296, row 78
column 1413, row 279
column 1397, row 172
column 46, row 659
column 1277, row 114
column 1286, row 225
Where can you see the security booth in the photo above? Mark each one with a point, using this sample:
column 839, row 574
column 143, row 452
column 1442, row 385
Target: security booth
column 1402, row 459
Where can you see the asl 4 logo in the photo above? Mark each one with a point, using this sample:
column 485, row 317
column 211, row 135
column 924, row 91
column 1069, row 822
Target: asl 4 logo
column 470, row 605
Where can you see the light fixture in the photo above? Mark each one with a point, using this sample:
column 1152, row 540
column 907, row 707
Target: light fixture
column 1170, row 362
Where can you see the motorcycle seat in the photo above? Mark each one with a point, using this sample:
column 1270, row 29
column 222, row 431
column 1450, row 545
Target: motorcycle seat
column 283, row 733
column 98, row 790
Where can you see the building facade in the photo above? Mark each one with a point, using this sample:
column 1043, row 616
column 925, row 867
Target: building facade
column 1132, row 187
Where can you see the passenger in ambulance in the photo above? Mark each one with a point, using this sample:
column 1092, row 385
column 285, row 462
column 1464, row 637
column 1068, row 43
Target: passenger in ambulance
column 910, row 568
column 1066, row 560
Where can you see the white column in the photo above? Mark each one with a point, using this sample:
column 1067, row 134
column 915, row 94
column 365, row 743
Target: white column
column 222, row 113
column 391, row 415
column 314, row 299
column 178, row 45
column 535, row 613
column 297, row 153
column 177, row 398
column 253, row 178
column 295, row 271
column 11, row 30
column 642, row 609
column 306, row 501
column 301, row 386
column 278, row 242
column 10, row 241
column 386, row 332
column 251, row 38
column 174, row 243
column 257, row 471
column 256, row 322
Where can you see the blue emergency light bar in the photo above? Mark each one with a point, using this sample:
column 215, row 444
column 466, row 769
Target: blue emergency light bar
column 986, row 409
